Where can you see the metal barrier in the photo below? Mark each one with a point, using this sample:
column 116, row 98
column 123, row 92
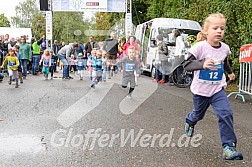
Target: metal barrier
column 245, row 82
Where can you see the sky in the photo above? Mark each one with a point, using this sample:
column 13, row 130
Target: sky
column 9, row 8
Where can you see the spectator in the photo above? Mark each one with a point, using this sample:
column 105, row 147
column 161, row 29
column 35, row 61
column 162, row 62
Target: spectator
column 35, row 54
column 26, row 55
column 111, row 47
column 90, row 45
column 64, row 54
column 131, row 42
column 12, row 42
column 55, row 48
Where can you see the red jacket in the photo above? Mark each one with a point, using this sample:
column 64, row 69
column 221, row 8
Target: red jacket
column 127, row 45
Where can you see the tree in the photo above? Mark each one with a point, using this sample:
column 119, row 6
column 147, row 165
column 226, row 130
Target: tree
column 63, row 29
column 4, row 21
column 38, row 25
column 24, row 14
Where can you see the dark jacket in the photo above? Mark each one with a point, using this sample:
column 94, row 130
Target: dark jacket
column 55, row 49
column 88, row 47
column 111, row 46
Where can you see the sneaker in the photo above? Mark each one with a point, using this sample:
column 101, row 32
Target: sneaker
column 155, row 80
column 93, row 86
column 21, row 80
column 70, row 77
column 16, row 86
column 65, row 78
column 104, row 80
column 189, row 129
column 81, row 78
column 230, row 153
column 162, row 81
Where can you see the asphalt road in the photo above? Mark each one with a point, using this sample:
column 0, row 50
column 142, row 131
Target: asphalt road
column 65, row 123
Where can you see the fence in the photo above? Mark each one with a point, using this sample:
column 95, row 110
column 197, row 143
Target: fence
column 245, row 82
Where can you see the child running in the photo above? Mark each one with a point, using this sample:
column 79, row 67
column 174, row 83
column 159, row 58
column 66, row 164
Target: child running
column 129, row 65
column 104, row 65
column 12, row 64
column 91, row 63
column 80, row 65
column 208, row 60
column 97, row 69
column 46, row 59
column 20, row 71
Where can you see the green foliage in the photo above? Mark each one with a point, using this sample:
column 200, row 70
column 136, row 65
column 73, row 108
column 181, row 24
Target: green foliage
column 4, row 21
column 64, row 23
column 63, row 29
column 38, row 26
column 25, row 11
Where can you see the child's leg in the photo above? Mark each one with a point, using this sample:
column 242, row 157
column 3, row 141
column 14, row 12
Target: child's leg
column 109, row 72
column 104, row 74
column 223, row 111
column 135, row 78
column 98, row 76
column 90, row 74
column 20, row 76
column 10, row 76
column 46, row 72
column 52, row 70
column 201, row 104
column 15, row 74
column 81, row 73
column 94, row 78
column 132, row 85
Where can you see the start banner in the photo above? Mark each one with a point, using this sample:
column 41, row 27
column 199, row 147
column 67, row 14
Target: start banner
column 246, row 54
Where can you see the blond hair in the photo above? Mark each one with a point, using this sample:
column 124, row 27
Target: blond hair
column 132, row 48
column 47, row 52
column 99, row 52
column 210, row 17
column 201, row 37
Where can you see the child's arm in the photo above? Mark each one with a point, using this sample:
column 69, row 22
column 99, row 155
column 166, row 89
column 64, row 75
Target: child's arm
column 42, row 57
column 120, row 62
column 138, row 71
column 192, row 64
column 17, row 63
column 50, row 62
column 228, row 69
column 4, row 62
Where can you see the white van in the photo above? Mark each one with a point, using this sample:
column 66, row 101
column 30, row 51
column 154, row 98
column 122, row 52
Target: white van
column 147, row 32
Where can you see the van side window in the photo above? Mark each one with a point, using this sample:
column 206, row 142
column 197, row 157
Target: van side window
column 153, row 35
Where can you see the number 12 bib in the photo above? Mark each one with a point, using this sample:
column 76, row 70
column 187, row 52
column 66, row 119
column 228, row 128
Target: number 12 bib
column 213, row 75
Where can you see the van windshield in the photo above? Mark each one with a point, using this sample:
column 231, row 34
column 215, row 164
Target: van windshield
column 167, row 33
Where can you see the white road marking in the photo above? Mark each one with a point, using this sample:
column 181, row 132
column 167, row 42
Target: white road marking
column 94, row 97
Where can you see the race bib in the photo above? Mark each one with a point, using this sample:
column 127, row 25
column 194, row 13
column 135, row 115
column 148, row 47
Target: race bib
column 130, row 67
column 213, row 75
column 46, row 63
column 80, row 63
column 11, row 63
